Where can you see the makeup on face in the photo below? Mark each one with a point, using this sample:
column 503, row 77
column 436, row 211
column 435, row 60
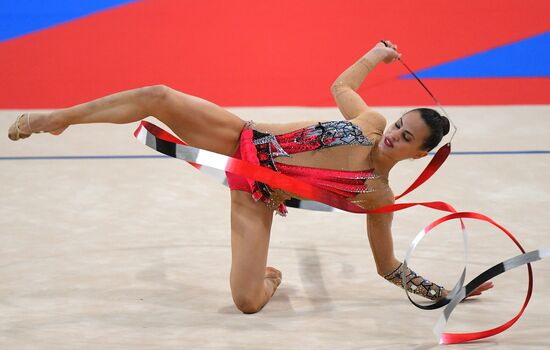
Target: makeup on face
column 406, row 134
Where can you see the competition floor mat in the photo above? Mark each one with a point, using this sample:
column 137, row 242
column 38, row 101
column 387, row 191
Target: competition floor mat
column 108, row 237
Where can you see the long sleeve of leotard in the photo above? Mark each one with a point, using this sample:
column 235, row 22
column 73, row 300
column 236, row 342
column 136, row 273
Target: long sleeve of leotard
column 354, row 76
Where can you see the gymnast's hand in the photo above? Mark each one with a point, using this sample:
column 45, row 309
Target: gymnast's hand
column 482, row 288
column 387, row 50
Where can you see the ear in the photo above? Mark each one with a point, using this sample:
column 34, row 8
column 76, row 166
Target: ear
column 420, row 154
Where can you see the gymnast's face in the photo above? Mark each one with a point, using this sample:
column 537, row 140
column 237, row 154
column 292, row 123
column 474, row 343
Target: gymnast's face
column 405, row 138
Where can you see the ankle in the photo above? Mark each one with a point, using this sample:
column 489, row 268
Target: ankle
column 55, row 120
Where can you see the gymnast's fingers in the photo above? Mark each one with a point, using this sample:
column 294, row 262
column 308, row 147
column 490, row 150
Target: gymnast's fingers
column 482, row 288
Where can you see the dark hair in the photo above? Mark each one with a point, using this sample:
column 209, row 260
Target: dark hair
column 438, row 124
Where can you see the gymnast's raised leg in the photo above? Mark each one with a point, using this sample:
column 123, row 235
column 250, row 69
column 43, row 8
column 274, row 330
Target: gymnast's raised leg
column 198, row 122
column 201, row 124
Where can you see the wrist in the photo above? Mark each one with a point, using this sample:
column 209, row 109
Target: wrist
column 375, row 56
column 415, row 284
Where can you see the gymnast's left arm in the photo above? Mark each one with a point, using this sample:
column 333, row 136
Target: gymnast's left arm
column 380, row 239
column 381, row 242
column 387, row 266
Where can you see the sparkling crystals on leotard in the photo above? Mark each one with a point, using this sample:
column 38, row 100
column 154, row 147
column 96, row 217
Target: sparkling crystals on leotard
column 330, row 134
column 353, row 189
column 312, row 138
column 415, row 284
column 272, row 140
column 249, row 124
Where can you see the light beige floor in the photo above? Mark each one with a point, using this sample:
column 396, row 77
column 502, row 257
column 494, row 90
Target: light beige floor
column 134, row 254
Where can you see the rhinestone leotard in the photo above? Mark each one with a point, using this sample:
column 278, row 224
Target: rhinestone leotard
column 262, row 148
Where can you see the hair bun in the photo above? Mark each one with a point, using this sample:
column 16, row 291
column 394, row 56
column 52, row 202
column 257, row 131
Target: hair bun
column 438, row 124
column 445, row 125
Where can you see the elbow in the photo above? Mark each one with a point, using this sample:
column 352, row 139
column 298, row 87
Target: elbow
column 339, row 86
column 334, row 88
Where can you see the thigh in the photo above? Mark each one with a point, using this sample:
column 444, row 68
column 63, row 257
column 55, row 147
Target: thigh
column 201, row 123
column 250, row 230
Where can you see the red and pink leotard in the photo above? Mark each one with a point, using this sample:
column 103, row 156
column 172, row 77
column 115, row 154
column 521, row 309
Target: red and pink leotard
column 262, row 148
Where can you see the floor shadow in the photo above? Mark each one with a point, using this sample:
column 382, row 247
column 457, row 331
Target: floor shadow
column 311, row 275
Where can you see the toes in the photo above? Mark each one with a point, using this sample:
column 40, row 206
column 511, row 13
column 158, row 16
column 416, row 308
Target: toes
column 11, row 133
column 14, row 132
column 272, row 272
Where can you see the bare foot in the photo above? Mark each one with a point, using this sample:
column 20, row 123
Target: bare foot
column 274, row 276
column 27, row 124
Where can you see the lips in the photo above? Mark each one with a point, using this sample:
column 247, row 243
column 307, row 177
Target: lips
column 387, row 142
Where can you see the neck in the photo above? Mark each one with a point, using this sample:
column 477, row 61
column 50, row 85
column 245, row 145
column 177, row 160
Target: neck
column 381, row 162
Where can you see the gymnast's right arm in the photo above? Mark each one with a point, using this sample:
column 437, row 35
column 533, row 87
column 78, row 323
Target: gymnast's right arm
column 344, row 89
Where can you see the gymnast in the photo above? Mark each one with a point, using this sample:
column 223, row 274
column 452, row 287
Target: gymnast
column 351, row 157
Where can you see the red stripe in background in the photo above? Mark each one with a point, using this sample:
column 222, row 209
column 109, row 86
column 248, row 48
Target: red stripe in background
column 261, row 53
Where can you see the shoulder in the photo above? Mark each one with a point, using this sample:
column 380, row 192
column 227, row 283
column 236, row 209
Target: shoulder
column 380, row 197
column 371, row 120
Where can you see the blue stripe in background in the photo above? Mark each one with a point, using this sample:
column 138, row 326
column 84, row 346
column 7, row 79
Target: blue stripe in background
column 84, row 157
column 528, row 58
column 469, row 153
column 21, row 17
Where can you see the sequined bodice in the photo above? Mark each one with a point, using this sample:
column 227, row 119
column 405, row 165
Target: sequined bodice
column 311, row 138
column 318, row 136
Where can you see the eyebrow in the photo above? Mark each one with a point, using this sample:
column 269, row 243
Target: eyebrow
column 407, row 131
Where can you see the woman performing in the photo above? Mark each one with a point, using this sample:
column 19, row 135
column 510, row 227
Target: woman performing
column 351, row 157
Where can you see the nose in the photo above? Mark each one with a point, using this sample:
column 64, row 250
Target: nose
column 394, row 135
